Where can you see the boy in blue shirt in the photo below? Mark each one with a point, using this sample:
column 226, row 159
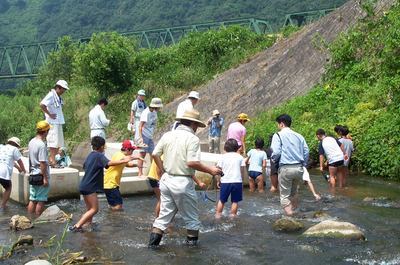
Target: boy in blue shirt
column 257, row 158
column 92, row 181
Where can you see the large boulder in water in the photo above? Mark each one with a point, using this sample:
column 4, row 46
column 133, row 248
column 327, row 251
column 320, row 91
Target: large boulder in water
column 287, row 225
column 335, row 229
column 52, row 214
column 19, row 222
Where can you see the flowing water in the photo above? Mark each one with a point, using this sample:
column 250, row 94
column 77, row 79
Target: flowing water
column 249, row 239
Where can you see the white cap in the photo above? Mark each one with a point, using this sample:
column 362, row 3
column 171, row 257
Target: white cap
column 15, row 140
column 141, row 92
column 194, row 94
column 63, row 84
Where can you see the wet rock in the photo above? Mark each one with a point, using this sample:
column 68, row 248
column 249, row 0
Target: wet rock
column 372, row 199
column 335, row 229
column 53, row 214
column 38, row 262
column 287, row 225
column 24, row 240
column 19, row 222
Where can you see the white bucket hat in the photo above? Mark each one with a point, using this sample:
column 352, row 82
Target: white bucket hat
column 141, row 92
column 156, row 103
column 15, row 140
column 192, row 115
column 194, row 94
column 63, row 84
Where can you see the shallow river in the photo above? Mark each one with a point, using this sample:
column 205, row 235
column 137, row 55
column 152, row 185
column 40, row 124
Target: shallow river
column 122, row 237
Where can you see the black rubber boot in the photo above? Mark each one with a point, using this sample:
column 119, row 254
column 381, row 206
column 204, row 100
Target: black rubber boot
column 191, row 241
column 155, row 240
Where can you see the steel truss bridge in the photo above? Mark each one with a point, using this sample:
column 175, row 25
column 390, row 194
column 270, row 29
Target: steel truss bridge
column 25, row 60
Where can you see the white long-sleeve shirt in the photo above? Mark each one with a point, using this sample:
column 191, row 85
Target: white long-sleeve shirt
column 97, row 118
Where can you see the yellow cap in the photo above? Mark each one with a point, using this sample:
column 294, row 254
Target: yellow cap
column 243, row 117
column 42, row 126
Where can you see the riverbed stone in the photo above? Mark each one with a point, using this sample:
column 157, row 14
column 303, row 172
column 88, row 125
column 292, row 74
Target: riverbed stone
column 38, row 262
column 335, row 229
column 20, row 222
column 53, row 214
column 287, row 224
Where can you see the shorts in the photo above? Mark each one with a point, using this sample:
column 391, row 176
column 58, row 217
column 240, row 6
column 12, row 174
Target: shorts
column 254, row 174
column 154, row 183
column 150, row 145
column 6, row 183
column 337, row 164
column 55, row 138
column 85, row 193
column 38, row 193
column 235, row 190
column 113, row 196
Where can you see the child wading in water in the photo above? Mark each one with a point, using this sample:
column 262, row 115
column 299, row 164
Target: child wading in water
column 231, row 182
column 93, row 180
column 257, row 158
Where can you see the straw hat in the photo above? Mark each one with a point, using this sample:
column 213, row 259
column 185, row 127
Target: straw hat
column 192, row 115
column 15, row 140
column 156, row 103
column 243, row 117
column 215, row 112
column 42, row 126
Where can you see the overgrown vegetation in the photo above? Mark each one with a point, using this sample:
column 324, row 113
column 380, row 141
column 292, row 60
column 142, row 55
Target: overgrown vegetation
column 25, row 21
column 361, row 90
column 112, row 65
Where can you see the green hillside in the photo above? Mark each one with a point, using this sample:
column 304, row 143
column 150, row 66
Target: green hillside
column 361, row 90
column 42, row 20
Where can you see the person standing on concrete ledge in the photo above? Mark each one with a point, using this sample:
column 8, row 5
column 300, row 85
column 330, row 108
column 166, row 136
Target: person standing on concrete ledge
column 237, row 131
column 51, row 105
column 290, row 150
column 147, row 126
column 138, row 106
column 187, row 104
column 181, row 151
column 9, row 153
column 97, row 119
column 39, row 165
column 214, row 134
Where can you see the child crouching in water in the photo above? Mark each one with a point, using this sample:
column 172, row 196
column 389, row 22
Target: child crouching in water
column 92, row 181
column 257, row 158
column 231, row 182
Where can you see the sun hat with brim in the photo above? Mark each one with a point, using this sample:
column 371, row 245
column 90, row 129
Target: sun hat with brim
column 215, row 112
column 194, row 94
column 63, row 84
column 156, row 103
column 243, row 117
column 141, row 92
column 192, row 115
column 15, row 140
column 42, row 126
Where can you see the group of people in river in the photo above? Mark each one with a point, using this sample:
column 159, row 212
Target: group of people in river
column 175, row 158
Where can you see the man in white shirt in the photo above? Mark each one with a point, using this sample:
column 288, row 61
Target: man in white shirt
column 51, row 105
column 97, row 119
column 186, row 105
column 138, row 106
column 147, row 126
column 9, row 153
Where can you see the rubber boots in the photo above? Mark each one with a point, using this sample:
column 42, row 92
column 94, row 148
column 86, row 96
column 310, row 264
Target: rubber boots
column 191, row 241
column 155, row 239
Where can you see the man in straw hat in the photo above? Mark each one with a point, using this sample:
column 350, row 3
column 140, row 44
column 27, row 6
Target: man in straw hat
column 9, row 153
column 181, row 150
column 51, row 106
column 214, row 134
column 38, row 164
column 237, row 131
column 147, row 126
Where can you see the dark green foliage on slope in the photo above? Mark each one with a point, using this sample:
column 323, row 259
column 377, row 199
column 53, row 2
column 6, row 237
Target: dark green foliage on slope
column 42, row 20
column 361, row 90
